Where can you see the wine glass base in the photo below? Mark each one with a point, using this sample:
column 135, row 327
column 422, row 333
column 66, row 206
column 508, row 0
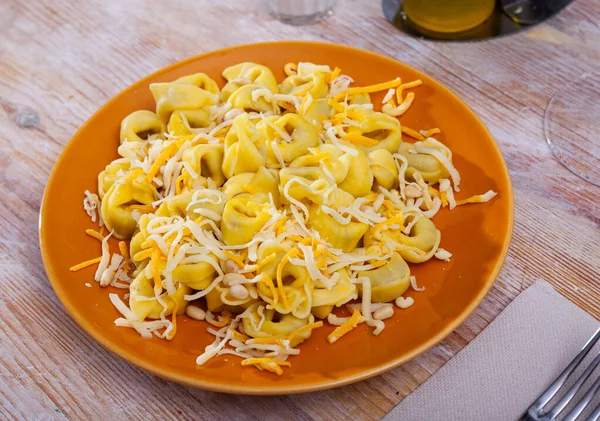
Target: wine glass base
column 303, row 19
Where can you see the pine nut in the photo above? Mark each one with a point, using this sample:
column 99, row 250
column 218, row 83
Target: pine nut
column 383, row 313
column 195, row 313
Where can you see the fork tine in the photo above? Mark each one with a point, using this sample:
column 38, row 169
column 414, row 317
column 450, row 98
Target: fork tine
column 595, row 415
column 584, row 402
column 560, row 380
column 564, row 401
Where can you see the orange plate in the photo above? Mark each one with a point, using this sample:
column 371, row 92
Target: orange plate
column 477, row 235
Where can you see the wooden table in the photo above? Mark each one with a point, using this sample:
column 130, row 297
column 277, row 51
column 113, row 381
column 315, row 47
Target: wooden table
column 61, row 60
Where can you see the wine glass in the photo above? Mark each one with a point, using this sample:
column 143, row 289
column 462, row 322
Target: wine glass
column 572, row 127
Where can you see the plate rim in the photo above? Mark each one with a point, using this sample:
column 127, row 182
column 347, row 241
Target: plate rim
column 125, row 355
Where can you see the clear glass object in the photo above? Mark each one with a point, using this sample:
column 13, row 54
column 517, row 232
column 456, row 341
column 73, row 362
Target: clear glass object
column 572, row 127
column 301, row 12
column 448, row 15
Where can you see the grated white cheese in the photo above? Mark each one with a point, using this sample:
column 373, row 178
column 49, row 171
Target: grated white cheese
column 104, row 261
column 91, row 205
column 277, row 153
column 443, row 255
column 445, row 162
column 282, row 133
column 413, row 284
column 388, row 96
column 213, row 349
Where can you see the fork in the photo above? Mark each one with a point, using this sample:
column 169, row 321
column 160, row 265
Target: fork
column 536, row 411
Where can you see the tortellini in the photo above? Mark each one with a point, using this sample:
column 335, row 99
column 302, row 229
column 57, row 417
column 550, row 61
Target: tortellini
column 242, row 219
column 352, row 173
column 201, row 80
column 344, row 237
column 245, row 98
column 220, row 299
column 263, row 181
column 272, row 328
column 197, row 276
column 144, row 305
column 241, row 153
column 205, row 202
column 248, row 73
column 384, row 169
column 297, row 287
column 427, row 165
column 305, row 183
column 138, row 125
column 388, row 282
column 417, row 247
column 175, row 96
column 116, row 205
column 181, row 123
column 310, row 79
column 324, row 300
column 205, row 161
column 379, row 127
column 317, row 112
column 303, row 136
column 111, row 174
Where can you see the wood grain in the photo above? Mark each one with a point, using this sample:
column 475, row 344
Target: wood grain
column 61, row 60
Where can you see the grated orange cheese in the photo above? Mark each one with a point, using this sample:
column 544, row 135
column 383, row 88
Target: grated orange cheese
column 85, row 264
column 271, row 286
column 273, row 368
column 304, row 91
column 360, row 140
column 303, row 329
column 156, row 271
column 344, row 328
column 266, row 261
column 430, row 132
column 412, row 133
column 444, row 199
column 303, row 103
column 237, row 259
column 251, row 361
column 160, row 160
column 123, row 249
column 125, row 253
column 269, row 364
column 278, row 226
column 335, row 73
column 404, row 86
column 142, row 255
column 238, row 336
column 268, row 341
column 369, row 89
column 336, row 106
column 180, row 179
column 94, row 234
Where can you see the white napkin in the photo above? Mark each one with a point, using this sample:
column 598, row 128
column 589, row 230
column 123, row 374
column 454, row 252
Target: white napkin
column 502, row 371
